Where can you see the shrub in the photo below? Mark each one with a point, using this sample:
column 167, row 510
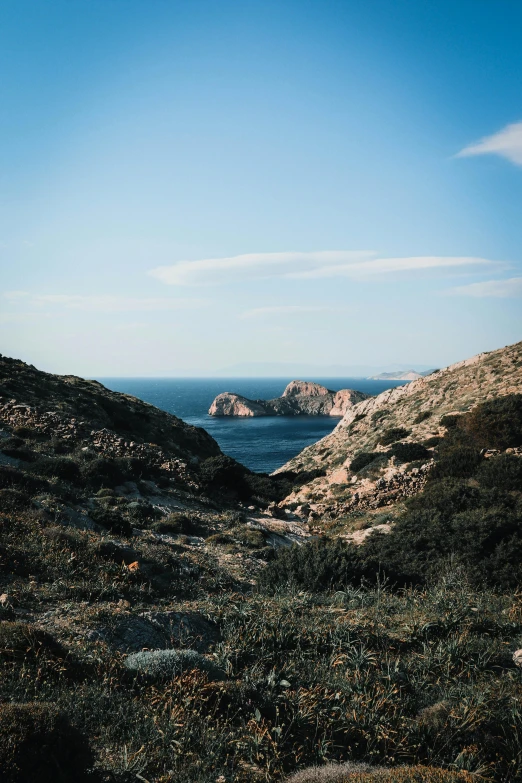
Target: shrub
column 422, row 416
column 408, row 452
column 221, row 538
column 13, row 500
column 502, row 472
column 250, row 537
column 479, row 529
column 112, row 520
column 449, row 421
column 13, row 478
column 102, row 472
column 63, row 468
column 362, row 773
column 166, row 664
column 38, row 743
column 456, row 461
column 316, row 566
column 393, row 434
column 432, row 443
column 362, row 459
column 20, row 640
column 496, row 423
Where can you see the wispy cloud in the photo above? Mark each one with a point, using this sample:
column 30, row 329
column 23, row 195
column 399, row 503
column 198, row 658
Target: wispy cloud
column 326, row 263
column 251, row 266
column 507, row 143
column 285, row 310
column 104, row 303
column 380, row 266
column 499, row 289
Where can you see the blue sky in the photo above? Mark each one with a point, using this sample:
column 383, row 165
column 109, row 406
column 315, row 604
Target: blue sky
column 187, row 186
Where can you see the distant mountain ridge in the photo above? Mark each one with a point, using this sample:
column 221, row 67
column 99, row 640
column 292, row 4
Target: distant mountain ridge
column 405, row 375
column 303, row 370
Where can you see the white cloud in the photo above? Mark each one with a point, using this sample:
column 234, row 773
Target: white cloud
column 104, row 303
column 326, row 263
column 285, row 310
column 251, row 266
column 499, row 289
column 507, row 143
column 379, row 266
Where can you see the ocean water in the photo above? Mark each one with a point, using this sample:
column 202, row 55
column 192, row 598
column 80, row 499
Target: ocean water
column 262, row 444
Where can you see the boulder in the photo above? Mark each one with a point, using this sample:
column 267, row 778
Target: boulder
column 162, row 630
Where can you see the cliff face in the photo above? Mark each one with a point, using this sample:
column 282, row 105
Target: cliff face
column 298, row 399
column 415, row 413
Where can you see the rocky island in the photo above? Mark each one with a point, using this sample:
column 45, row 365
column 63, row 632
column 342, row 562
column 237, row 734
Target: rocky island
column 300, row 398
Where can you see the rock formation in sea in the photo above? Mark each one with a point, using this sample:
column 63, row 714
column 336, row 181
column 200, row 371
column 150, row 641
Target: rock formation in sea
column 300, row 398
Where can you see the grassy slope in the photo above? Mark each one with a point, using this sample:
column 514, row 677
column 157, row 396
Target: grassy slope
column 389, row 677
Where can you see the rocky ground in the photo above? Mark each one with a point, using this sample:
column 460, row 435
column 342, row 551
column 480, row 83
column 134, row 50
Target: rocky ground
column 410, row 414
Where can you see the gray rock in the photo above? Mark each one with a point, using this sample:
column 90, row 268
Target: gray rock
column 163, row 630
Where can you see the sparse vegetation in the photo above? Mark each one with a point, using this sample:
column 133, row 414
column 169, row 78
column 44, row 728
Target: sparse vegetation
column 394, row 657
column 393, row 434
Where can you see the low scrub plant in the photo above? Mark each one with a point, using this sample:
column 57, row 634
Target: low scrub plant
column 166, row 664
column 363, row 773
column 393, row 434
column 408, row 452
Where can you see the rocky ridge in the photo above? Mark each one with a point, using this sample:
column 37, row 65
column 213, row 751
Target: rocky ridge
column 299, row 398
column 75, row 409
column 416, row 411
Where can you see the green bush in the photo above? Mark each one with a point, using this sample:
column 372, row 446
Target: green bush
column 364, row 773
column 432, row 442
column 63, row 468
column 316, row 566
column 362, row 459
column 18, row 641
column 450, row 421
column 11, row 478
column 393, row 434
column 496, row 423
column 502, row 472
column 38, row 743
column 422, row 416
column 250, row 537
column 408, row 452
column 112, row 520
column 165, row 664
column 456, row 461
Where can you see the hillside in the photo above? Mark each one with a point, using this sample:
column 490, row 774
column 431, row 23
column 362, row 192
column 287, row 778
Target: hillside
column 77, row 408
column 163, row 620
column 410, row 414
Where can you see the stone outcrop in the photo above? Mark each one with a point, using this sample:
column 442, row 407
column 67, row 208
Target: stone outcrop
column 417, row 408
column 300, row 398
column 229, row 404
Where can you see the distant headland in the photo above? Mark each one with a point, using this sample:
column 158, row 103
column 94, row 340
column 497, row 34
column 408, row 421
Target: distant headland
column 300, row 398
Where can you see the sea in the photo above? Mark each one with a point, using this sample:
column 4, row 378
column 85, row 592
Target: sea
column 262, row 444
